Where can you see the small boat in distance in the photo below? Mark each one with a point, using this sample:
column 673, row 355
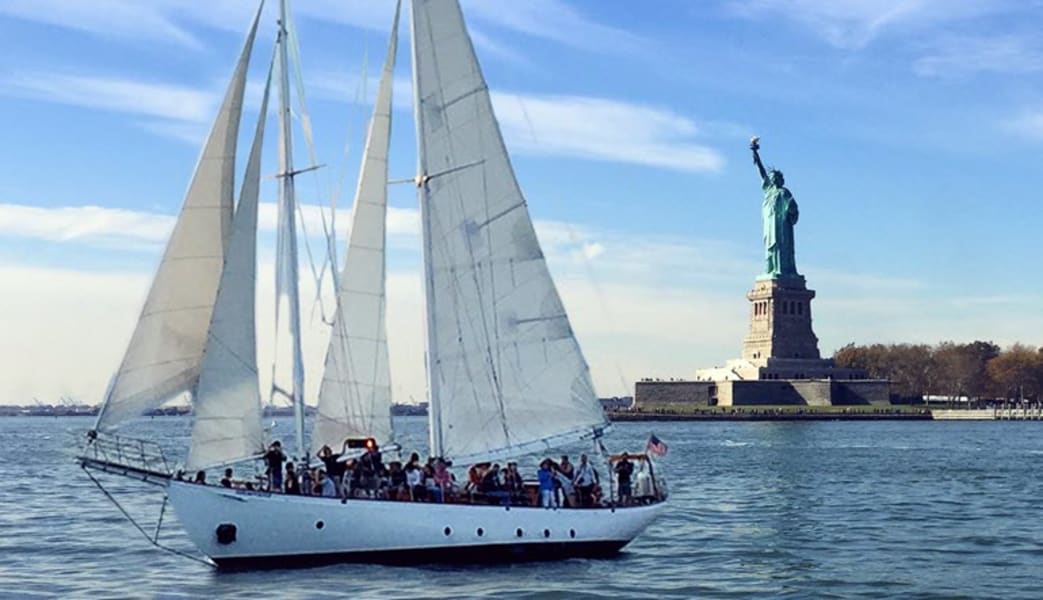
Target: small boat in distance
column 506, row 376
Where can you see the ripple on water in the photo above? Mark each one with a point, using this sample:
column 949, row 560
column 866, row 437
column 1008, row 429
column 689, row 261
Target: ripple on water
column 780, row 510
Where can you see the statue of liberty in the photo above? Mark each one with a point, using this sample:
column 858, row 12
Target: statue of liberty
column 779, row 214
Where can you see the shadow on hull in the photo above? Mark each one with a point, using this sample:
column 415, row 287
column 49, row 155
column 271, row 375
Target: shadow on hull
column 467, row 555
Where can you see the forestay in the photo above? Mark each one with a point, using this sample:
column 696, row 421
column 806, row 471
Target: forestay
column 355, row 394
column 162, row 359
column 227, row 402
column 506, row 373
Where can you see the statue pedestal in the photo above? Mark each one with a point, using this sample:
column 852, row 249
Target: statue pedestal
column 780, row 322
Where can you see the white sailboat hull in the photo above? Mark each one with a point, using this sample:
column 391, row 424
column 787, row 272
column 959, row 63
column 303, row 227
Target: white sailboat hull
column 275, row 530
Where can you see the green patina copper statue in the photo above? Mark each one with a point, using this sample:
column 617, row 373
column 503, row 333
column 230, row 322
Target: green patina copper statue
column 780, row 215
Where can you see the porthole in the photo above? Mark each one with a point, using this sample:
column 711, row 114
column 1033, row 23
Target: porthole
column 480, row 532
column 319, row 524
column 546, row 533
column 518, row 532
column 572, row 533
column 448, row 531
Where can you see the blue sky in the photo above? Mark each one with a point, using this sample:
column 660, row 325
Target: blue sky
column 910, row 132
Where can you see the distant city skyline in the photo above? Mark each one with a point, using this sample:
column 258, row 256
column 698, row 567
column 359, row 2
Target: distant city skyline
column 909, row 132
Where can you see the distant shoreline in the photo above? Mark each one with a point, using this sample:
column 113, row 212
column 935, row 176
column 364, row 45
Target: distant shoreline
column 630, row 416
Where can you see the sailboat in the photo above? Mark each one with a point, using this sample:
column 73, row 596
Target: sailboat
column 506, row 376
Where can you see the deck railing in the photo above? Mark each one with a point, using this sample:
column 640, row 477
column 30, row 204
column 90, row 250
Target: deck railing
column 125, row 456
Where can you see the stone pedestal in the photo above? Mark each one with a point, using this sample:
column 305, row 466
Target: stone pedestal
column 780, row 322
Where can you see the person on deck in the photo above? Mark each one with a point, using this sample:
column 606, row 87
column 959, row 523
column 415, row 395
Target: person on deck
column 566, row 468
column 513, row 484
column 585, row 479
column 563, row 490
column 399, row 489
column 200, row 478
column 492, row 488
column 226, row 481
column 292, row 486
column 305, row 485
column 624, row 469
column 371, row 468
column 415, row 480
column 325, row 486
column 546, row 478
column 274, row 458
column 443, row 481
column 334, row 466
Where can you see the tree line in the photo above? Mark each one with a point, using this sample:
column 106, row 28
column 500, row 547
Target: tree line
column 978, row 370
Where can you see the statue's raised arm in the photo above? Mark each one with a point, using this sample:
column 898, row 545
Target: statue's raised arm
column 779, row 214
column 755, row 146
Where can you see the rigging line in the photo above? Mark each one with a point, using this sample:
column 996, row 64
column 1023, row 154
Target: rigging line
column 338, row 191
column 153, row 541
column 311, row 263
column 602, row 302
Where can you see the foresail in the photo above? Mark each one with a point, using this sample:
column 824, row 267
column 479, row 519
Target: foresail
column 162, row 359
column 227, row 402
column 355, row 394
column 506, row 373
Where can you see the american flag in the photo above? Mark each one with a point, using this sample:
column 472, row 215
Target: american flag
column 656, row 446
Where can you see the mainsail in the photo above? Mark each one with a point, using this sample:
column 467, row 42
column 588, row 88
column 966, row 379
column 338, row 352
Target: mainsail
column 355, row 394
column 506, row 374
column 162, row 359
column 227, row 401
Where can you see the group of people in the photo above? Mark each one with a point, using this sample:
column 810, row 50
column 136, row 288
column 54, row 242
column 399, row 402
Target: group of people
column 559, row 484
column 562, row 484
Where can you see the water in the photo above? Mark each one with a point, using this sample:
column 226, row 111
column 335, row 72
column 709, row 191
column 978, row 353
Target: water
column 834, row 509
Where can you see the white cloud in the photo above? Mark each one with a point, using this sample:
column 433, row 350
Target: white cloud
column 88, row 224
column 643, row 305
column 603, row 129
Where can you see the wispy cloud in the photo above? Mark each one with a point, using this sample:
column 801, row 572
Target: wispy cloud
column 96, row 225
column 955, row 57
column 603, row 129
column 170, row 110
column 1028, row 124
column 152, row 99
column 853, row 24
column 557, row 21
column 89, row 224
column 120, row 19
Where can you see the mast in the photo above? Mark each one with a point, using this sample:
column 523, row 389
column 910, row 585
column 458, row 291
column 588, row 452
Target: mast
column 288, row 233
column 434, row 411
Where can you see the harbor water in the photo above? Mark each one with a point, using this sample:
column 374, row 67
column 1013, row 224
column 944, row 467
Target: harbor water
column 796, row 509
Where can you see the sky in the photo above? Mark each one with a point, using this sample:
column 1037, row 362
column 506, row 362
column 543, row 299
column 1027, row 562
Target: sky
column 910, row 133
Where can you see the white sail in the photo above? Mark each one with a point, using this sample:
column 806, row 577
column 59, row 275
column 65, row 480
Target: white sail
column 162, row 359
column 355, row 394
column 227, row 401
column 505, row 371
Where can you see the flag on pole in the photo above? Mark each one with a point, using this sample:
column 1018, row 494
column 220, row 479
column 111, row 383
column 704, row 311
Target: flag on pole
column 656, row 446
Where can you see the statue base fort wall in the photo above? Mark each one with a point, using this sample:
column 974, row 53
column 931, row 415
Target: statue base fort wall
column 780, row 363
